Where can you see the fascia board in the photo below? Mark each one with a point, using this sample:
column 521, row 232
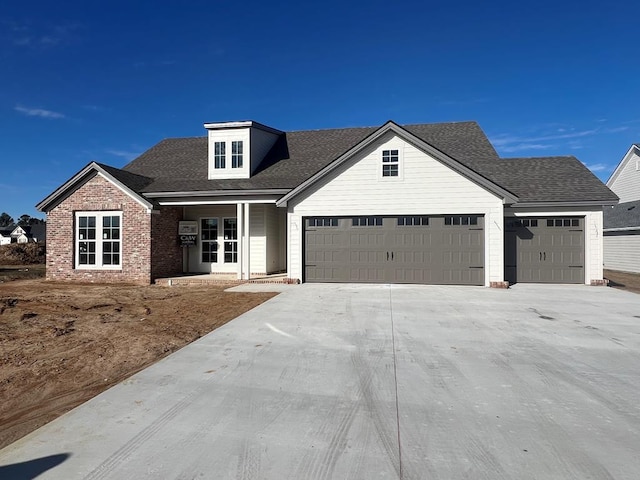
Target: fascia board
column 622, row 164
column 217, row 193
column 589, row 203
column 418, row 143
column 241, row 124
column 621, row 229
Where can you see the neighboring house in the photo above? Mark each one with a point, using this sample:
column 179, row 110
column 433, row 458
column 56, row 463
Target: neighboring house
column 622, row 221
column 429, row 203
column 5, row 236
column 23, row 234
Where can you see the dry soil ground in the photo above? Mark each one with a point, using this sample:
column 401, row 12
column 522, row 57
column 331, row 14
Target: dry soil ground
column 61, row 344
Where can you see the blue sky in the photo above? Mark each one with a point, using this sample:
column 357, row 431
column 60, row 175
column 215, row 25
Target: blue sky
column 104, row 81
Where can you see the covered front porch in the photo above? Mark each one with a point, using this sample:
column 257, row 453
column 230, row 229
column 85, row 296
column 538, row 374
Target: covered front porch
column 234, row 241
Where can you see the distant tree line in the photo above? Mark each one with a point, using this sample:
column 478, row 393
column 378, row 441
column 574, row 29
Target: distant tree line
column 7, row 220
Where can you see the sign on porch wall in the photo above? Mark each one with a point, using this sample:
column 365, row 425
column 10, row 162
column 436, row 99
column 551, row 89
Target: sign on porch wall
column 187, row 233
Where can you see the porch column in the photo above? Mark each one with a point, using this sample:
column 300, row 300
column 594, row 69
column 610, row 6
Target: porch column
column 246, row 244
column 240, row 226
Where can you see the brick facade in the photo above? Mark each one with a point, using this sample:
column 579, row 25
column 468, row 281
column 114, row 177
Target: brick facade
column 166, row 253
column 143, row 232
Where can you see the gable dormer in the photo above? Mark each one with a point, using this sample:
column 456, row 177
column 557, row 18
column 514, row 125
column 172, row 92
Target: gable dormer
column 236, row 149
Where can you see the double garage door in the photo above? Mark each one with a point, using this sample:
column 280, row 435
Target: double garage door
column 395, row 249
column 544, row 250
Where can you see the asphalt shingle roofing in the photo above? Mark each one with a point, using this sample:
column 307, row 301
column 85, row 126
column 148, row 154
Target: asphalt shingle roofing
column 623, row 215
column 181, row 164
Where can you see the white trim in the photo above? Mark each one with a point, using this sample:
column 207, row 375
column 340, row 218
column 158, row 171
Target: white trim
column 99, row 240
column 246, row 245
column 80, row 178
column 240, row 219
column 196, row 203
column 388, row 147
column 621, row 229
column 622, row 164
column 241, row 124
column 125, row 190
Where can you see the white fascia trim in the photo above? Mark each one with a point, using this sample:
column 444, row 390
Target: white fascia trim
column 241, row 124
column 594, row 203
column 126, row 190
column 75, row 181
column 218, row 193
column 622, row 164
column 192, row 203
column 621, row 229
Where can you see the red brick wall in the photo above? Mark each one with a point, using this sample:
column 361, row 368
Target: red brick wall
column 98, row 194
column 165, row 249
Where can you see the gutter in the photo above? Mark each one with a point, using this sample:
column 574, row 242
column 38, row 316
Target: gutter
column 218, row 193
column 621, row 229
column 590, row 203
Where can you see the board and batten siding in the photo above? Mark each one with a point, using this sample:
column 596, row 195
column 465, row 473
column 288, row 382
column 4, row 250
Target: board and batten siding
column 622, row 251
column 258, row 239
column 424, row 187
column 627, row 183
column 274, row 262
column 593, row 244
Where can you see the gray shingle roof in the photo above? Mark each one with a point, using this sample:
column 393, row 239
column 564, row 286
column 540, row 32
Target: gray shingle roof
column 547, row 179
column 180, row 164
column 131, row 180
column 623, row 215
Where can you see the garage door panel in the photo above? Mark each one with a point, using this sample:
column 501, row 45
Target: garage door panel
column 544, row 249
column 396, row 250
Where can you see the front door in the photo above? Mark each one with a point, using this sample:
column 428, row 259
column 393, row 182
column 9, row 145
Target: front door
column 218, row 244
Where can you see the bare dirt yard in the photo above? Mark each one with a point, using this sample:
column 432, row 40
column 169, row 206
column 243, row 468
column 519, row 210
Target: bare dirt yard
column 625, row 281
column 61, row 344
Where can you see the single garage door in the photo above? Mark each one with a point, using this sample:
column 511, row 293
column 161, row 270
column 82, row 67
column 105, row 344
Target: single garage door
column 395, row 249
column 544, row 250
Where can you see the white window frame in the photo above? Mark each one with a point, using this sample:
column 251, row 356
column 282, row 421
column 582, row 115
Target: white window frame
column 220, row 159
column 226, row 240
column 99, row 240
column 381, row 163
column 237, row 154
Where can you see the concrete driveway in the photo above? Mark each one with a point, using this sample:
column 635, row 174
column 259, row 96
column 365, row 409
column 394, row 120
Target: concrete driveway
column 367, row 382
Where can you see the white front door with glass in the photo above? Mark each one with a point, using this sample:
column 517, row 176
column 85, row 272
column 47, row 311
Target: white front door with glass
column 212, row 237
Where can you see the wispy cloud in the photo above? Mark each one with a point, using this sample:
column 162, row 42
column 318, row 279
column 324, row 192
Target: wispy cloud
column 28, row 35
column 597, row 167
column 124, row 154
column 38, row 112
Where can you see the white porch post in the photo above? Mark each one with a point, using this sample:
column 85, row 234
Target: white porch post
column 240, row 226
column 247, row 240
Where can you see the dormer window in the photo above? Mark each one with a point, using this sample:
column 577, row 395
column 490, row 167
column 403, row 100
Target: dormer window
column 236, row 154
column 390, row 163
column 220, row 154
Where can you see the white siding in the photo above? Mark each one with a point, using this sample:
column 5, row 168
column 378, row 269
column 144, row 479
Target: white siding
column 593, row 244
column 228, row 136
column 274, row 261
column 425, row 186
column 622, row 252
column 258, row 243
column 627, row 182
column 261, row 143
